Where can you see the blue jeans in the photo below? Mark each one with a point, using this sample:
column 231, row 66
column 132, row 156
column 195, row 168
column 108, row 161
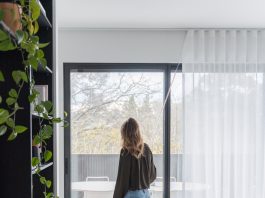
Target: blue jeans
column 138, row 194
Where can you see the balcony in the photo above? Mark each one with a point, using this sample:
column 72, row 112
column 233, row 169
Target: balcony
column 95, row 176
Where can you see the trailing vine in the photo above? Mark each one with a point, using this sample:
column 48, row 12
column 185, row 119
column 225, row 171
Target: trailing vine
column 27, row 43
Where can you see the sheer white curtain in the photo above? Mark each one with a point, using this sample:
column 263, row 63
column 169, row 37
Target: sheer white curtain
column 224, row 114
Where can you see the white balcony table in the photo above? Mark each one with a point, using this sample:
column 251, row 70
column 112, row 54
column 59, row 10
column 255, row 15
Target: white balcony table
column 95, row 189
column 105, row 189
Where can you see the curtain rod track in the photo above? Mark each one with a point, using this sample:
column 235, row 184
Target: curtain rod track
column 150, row 29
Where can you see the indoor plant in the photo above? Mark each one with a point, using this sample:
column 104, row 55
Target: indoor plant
column 11, row 14
column 25, row 40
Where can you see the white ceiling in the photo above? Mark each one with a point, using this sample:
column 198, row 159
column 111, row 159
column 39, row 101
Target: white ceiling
column 161, row 13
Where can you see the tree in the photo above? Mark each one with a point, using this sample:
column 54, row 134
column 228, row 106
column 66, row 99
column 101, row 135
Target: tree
column 130, row 108
column 102, row 101
column 146, row 117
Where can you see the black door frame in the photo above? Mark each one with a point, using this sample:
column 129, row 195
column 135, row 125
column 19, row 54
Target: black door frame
column 166, row 68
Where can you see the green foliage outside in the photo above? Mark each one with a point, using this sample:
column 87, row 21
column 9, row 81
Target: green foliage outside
column 101, row 102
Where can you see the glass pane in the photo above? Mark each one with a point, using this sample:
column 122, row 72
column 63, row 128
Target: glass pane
column 100, row 103
column 176, row 136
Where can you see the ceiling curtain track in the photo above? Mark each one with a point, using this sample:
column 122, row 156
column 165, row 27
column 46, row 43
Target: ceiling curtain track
column 224, row 113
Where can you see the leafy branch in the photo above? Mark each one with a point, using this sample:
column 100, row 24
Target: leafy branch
column 27, row 43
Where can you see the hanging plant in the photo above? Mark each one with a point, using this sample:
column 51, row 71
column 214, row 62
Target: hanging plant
column 20, row 34
column 11, row 15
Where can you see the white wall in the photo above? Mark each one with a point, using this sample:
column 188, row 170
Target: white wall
column 111, row 46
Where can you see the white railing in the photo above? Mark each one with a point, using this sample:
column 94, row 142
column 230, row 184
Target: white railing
column 101, row 178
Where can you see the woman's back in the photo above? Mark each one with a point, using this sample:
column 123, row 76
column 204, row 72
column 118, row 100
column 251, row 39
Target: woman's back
column 134, row 173
column 136, row 167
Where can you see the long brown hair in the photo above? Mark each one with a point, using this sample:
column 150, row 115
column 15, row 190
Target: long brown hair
column 131, row 138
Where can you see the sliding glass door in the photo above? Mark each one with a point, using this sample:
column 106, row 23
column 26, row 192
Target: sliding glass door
column 99, row 98
column 206, row 130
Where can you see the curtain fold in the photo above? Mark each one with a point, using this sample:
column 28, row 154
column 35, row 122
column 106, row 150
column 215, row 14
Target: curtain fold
column 224, row 51
column 224, row 118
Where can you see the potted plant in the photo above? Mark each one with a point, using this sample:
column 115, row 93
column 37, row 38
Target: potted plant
column 11, row 14
column 36, row 150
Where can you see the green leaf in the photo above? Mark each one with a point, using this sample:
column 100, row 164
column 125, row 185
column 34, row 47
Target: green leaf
column 12, row 136
column 39, row 108
column 37, row 171
column 36, row 27
column 43, row 180
column 35, row 161
column 40, row 53
column 49, row 195
column 45, row 116
column 35, row 9
column 47, row 155
column 31, row 98
column 31, row 48
column 66, row 124
column 19, row 75
column 1, row 99
column 13, row 93
column 23, row 76
column 22, row 2
column 19, row 36
column 30, row 27
column 35, row 40
column 20, row 129
column 7, row 45
column 26, row 35
column 42, row 45
column 10, row 122
column 3, row 130
column 16, row 76
column 48, row 183
column 3, row 35
column 46, row 132
column 24, row 45
column 47, row 105
column 56, row 120
column 16, row 106
column 24, row 23
column 51, row 113
column 34, row 91
column 2, row 78
column 33, row 62
column 1, row 15
column 65, row 114
column 4, row 114
column 36, row 140
column 10, row 101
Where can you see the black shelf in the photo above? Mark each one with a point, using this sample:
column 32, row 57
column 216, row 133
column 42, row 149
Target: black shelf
column 15, row 155
column 46, row 70
column 41, row 167
column 36, row 116
column 43, row 19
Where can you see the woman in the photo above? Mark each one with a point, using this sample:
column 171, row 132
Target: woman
column 136, row 167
